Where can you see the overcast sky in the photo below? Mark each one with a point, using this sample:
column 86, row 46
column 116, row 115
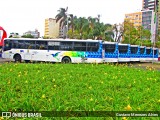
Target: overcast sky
column 23, row 15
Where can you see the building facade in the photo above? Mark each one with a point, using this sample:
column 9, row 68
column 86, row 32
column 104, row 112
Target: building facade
column 149, row 4
column 51, row 28
column 154, row 6
column 148, row 21
column 35, row 33
column 135, row 18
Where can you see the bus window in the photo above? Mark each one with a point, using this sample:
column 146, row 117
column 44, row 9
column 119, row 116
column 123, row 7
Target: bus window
column 41, row 45
column 29, row 44
column 80, row 46
column 134, row 50
column 142, row 50
column 18, row 44
column 68, row 46
column 109, row 48
column 148, row 51
column 155, row 52
column 123, row 49
column 15, row 44
column 53, row 45
column 7, row 45
column 92, row 47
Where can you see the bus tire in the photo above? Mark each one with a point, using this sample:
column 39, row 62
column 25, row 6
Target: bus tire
column 17, row 58
column 66, row 60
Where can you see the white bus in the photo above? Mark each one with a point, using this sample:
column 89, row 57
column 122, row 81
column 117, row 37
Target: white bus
column 53, row 50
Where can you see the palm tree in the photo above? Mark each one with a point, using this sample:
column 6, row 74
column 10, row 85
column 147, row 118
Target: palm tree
column 71, row 23
column 99, row 17
column 92, row 21
column 61, row 16
column 81, row 24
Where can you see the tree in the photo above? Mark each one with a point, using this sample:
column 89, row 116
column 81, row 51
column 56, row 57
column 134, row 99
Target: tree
column 71, row 24
column 27, row 36
column 108, row 33
column 62, row 16
column 10, row 36
column 81, row 26
column 109, row 36
column 135, row 35
column 118, row 31
column 45, row 37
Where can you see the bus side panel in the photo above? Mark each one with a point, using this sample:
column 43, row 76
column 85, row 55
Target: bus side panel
column 134, row 55
column 124, row 56
column 149, row 57
column 110, row 52
column 156, row 55
column 39, row 55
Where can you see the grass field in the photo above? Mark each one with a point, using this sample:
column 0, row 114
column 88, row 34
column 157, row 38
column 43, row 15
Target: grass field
column 78, row 87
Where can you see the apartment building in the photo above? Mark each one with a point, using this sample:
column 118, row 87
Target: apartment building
column 51, row 28
column 135, row 18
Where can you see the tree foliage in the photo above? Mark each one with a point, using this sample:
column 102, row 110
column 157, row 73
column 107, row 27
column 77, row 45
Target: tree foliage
column 136, row 35
column 62, row 16
column 27, row 36
column 92, row 28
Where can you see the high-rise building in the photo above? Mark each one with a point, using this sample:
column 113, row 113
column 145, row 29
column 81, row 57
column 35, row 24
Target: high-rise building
column 149, row 4
column 51, row 28
column 155, row 7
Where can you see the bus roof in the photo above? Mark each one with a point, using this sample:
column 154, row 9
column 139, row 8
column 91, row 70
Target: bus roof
column 41, row 39
column 106, row 42
column 142, row 46
column 134, row 45
column 124, row 44
column 148, row 47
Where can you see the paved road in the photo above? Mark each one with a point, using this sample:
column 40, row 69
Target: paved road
column 4, row 60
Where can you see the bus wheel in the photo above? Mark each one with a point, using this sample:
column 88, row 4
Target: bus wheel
column 66, row 60
column 17, row 58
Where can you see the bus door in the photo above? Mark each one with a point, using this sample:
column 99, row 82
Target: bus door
column 29, row 46
column 40, row 53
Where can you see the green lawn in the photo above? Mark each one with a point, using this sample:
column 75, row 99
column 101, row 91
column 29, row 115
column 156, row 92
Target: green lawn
column 75, row 87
